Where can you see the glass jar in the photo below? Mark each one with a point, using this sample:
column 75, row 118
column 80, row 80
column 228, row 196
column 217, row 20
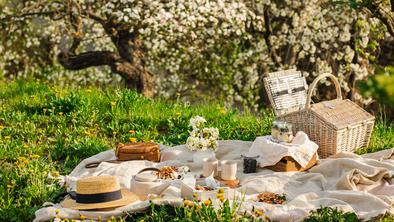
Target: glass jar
column 275, row 129
column 282, row 131
column 286, row 133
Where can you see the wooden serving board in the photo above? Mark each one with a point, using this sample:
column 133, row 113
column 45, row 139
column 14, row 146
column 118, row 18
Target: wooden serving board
column 287, row 164
column 229, row 183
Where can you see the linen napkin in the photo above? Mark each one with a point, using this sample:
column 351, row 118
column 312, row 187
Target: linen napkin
column 301, row 149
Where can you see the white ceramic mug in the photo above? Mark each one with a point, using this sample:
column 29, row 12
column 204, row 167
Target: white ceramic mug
column 210, row 165
column 228, row 169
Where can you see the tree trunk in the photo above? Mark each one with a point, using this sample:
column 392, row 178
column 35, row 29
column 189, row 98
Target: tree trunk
column 135, row 76
column 386, row 55
column 383, row 13
column 132, row 67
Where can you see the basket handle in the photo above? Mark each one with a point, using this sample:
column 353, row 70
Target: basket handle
column 316, row 81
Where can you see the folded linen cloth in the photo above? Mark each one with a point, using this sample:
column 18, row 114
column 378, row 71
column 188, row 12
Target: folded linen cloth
column 301, row 149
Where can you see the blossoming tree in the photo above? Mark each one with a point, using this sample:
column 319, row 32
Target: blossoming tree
column 217, row 48
column 113, row 22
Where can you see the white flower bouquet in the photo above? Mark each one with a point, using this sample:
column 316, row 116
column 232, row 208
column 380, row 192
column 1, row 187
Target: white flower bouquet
column 202, row 138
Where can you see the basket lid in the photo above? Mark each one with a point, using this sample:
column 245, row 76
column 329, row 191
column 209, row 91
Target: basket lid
column 287, row 91
column 341, row 113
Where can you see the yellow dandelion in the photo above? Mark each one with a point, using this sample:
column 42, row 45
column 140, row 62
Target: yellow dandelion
column 221, row 198
column 25, row 146
column 220, row 190
column 35, row 156
column 88, row 90
column 114, row 133
column 7, row 137
column 21, row 166
column 57, row 211
column 132, row 132
column 188, row 203
column 99, row 218
column 207, row 202
column 26, row 162
column 82, row 217
column 133, row 140
column 113, row 103
column 60, row 113
column 223, row 111
column 55, row 173
column 178, row 113
column 1, row 127
column 219, row 195
column 195, row 195
column 259, row 213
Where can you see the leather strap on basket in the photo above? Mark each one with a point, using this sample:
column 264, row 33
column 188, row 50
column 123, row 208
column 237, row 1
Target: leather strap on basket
column 316, row 81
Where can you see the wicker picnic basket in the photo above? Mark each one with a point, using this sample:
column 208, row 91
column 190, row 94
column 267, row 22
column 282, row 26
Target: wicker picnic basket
column 336, row 125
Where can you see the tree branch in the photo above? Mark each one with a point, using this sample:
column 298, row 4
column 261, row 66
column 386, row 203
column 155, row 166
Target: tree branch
column 96, row 17
column 87, row 59
column 24, row 15
column 74, row 46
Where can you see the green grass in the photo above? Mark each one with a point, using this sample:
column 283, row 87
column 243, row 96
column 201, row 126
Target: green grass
column 45, row 129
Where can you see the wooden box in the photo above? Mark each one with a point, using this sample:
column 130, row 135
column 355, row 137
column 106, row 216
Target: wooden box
column 288, row 164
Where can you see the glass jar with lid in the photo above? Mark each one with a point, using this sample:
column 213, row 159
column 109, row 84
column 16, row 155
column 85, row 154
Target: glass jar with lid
column 282, row 131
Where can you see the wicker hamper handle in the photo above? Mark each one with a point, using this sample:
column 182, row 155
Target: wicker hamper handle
column 316, row 81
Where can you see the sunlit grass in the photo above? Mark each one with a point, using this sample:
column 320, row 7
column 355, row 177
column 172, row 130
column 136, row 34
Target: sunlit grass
column 48, row 130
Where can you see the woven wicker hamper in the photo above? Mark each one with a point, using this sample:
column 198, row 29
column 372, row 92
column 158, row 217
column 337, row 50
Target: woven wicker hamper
column 336, row 125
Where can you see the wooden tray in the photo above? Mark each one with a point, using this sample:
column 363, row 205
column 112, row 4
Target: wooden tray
column 287, row 164
column 229, row 183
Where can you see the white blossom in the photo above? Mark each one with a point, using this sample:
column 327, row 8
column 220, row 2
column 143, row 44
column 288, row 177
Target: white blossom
column 201, row 138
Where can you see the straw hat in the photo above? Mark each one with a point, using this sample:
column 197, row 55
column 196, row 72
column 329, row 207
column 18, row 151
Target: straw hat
column 99, row 192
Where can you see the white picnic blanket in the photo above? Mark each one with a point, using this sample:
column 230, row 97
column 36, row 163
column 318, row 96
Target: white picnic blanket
column 362, row 184
column 301, row 149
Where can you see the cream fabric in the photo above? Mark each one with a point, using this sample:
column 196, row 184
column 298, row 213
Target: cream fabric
column 362, row 184
column 301, row 149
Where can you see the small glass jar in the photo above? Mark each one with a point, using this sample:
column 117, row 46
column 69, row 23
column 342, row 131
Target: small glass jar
column 282, row 131
column 250, row 164
column 275, row 129
column 286, row 133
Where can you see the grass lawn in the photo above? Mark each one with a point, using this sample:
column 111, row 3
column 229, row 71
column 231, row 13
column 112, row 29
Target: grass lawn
column 48, row 130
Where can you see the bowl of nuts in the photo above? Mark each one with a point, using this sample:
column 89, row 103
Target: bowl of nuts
column 271, row 198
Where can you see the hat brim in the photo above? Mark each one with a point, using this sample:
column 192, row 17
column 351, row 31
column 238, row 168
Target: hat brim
column 127, row 198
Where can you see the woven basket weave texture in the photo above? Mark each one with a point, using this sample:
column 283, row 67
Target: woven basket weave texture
column 336, row 125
